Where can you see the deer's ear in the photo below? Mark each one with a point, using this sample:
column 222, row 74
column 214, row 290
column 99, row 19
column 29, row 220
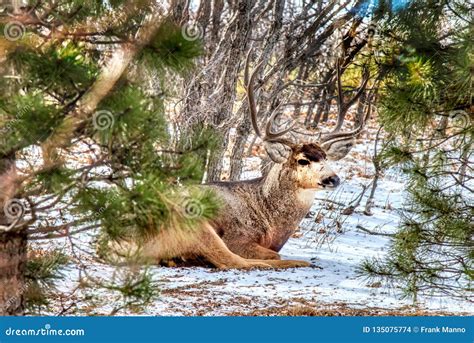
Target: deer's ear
column 338, row 149
column 278, row 152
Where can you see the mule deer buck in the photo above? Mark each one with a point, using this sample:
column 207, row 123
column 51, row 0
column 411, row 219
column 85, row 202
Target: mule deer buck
column 260, row 215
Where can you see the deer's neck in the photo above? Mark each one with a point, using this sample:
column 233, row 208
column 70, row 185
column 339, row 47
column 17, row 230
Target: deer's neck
column 283, row 204
column 279, row 189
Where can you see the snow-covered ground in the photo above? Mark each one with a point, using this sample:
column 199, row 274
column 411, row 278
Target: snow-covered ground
column 334, row 243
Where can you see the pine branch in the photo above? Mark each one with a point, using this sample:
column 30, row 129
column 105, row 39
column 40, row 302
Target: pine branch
column 110, row 74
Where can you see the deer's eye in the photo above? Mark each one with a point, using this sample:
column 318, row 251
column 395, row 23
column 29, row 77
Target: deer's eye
column 303, row 162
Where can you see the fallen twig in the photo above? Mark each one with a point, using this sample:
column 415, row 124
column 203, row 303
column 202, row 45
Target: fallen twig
column 360, row 227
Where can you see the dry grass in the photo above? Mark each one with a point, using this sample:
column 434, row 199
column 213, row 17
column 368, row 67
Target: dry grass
column 342, row 309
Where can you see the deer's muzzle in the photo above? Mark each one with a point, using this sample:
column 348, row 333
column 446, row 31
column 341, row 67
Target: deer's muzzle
column 331, row 181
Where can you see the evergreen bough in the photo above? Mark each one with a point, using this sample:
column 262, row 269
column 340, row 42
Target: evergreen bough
column 122, row 170
column 426, row 109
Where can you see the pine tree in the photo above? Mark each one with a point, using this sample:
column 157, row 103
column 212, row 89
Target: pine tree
column 86, row 142
column 426, row 106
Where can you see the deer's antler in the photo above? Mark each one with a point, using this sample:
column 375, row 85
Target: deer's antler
column 269, row 136
column 336, row 144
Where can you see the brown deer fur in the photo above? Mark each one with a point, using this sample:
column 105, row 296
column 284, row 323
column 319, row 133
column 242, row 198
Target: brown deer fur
column 257, row 218
column 261, row 214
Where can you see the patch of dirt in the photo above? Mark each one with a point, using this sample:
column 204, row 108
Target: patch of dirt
column 342, row 309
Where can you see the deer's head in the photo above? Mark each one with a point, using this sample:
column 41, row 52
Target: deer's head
column 306, row 164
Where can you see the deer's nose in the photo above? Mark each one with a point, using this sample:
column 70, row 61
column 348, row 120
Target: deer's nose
column 331, row 181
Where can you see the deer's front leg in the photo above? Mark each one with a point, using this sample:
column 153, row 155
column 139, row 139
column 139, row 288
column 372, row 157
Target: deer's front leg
column 213, row 248
column 254, row 251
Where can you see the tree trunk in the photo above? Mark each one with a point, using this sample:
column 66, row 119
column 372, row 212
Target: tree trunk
column 237, row 154
column 324, row 94
column 12, row 270
column 361, row 110
column 227, row 75
column 12, row 247
column 245, row 128
column 214, row 168
column 179, row 11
